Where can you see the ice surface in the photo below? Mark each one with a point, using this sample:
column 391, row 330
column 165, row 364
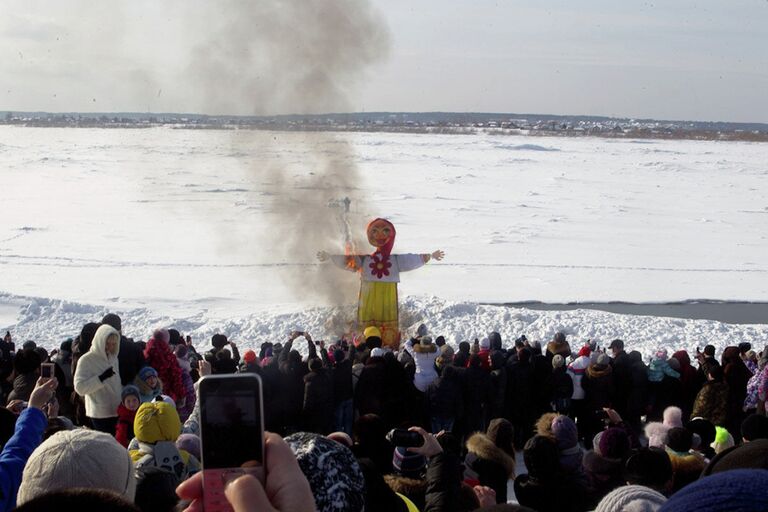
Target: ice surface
column 168, row 225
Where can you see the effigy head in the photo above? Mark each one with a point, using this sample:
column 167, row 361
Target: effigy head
column 381, row 233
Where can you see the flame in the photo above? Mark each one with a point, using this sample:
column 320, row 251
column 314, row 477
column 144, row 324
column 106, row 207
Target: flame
column 349, row 254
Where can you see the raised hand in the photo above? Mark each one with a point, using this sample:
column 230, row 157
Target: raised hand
column 322, row 255
column 438, row 255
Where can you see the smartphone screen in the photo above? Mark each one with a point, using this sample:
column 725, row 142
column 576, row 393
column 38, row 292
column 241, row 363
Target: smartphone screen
column 46, row 370
column 231, row 417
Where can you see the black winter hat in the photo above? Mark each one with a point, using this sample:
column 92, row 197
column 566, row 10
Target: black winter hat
column 113, row 320
column 219, row 341
column 26, row 361
column 704, row 428
column 754, row 426
column 495, row 339
column 650, row 467
column 679, row 439
column 174, row 337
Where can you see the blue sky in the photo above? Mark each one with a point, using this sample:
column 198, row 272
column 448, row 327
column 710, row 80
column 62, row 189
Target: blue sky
column 679, row 59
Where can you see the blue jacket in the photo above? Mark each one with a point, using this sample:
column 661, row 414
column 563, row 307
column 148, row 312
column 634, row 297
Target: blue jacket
column 26, row 437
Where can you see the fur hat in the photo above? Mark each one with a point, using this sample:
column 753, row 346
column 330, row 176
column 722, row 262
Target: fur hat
column 333, row 472
column 78, row 458
column 558, row 361
column 129, row 390
column 673, row 416
column 740, row 489
column 631, row 498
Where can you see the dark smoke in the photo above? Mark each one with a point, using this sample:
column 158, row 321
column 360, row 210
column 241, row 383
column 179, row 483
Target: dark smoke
column 295, row 56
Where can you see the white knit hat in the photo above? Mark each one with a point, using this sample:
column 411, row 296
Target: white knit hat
column 631, row 498
column 78, row 458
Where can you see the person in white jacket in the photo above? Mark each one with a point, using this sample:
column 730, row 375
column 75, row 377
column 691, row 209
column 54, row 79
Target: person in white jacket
column 97, row 378
column 424, row 355
column 576, row 370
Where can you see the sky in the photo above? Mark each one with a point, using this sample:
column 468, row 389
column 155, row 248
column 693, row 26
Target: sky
column 684, row 60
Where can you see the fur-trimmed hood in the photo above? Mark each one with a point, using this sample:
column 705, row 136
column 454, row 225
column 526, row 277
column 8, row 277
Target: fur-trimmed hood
column 687, row 463
column 595, row 371
column 424, row 349
column 481, row 445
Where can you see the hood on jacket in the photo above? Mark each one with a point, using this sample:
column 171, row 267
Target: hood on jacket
column 157, row 421
column 683, row 358
column 425, row 349
column 99, row 343
column 482, row 446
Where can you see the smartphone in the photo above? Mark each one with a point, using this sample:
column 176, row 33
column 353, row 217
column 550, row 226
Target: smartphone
column 231, row 433
column 404, row 438
column 46, row 370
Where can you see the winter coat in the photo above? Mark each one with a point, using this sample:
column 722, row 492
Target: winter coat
column 445, row 395
column 157, row 427
column 124, row 429
column 487, row 464
column 159, row 356
column 562, row 384
column 498, row 393
column 658, row 368
column 737, row 376
column 598, row 385
column 27, row 436
column 318, row 406
column 638, row 392
column 622, row 378
column 520, row 398
column 576, row 370
column 443, row 483
column 101, row 397
column 185, row 406
column 604, row 473
column 131, row 360
column 551, row 495
column 424, row 357
column 477, row 386
column 712, row 403
column 341, row 375
column 485, row 361
column 370, row 392
column 63, row 360
column 689, row 382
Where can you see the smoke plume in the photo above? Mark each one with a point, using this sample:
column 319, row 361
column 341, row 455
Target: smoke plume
column 295, row 56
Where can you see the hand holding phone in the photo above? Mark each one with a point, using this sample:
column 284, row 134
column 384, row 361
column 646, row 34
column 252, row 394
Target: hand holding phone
column 404, row 438
column 231, row 432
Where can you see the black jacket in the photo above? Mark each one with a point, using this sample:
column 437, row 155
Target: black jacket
column 318, row 402
column 131, row 360
column 444, row 395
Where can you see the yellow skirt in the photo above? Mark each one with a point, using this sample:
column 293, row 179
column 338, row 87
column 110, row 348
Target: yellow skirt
column 377, row 306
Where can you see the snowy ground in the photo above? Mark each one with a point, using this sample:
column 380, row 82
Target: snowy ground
column 184, row 227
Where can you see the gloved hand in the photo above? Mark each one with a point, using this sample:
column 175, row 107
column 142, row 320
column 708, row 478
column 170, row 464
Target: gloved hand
column 107, row 374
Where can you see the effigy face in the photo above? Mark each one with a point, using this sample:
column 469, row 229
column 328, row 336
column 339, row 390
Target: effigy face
column 379, row 233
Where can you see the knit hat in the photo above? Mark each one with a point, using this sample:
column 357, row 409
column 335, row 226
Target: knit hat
column 631, row 498
column 426, row 340
column 129, row 390
column 371, row 332
column 741, row 490
column 485, row 344
column 166, row 399
column 446, row 352
column 661, row 354
column 723, row 440
column 377, row 352
column 421, row 331
column 249, row 356
column 565, row 432
column 673, row 416
column 650, row 467
column 585, row 351
column 703, row 428
column 161, row 335
column 602, row 361
column 614, row 443
column 558, row 361
column 78, row 458
column 189, row 443
column 754, row 426
column 752, row 455
column 333, row 472
column 407, row 463
column 147, row 372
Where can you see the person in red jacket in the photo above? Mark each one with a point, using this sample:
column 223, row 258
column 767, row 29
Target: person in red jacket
column 160, row 357
column 126, row 413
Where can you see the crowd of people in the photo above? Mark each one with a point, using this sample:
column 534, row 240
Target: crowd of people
column 116, row 424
